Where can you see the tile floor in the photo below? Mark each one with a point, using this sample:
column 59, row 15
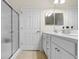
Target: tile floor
column 31, row 55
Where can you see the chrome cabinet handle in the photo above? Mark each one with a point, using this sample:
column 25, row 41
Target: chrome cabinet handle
column 48, row 48
column 57, row 49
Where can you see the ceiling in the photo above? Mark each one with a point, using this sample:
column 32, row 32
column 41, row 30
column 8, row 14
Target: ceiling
column 19, row 4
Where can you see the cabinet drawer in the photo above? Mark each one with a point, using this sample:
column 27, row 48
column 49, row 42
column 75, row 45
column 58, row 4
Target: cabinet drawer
column 58, row 53
column 67, row 45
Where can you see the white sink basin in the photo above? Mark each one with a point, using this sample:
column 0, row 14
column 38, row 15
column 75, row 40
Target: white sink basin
column 76, row 35
column 71, row 34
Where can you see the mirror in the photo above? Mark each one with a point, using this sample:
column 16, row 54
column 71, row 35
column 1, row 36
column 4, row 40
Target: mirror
column 49, row 19
column 54, row 19
column 58, row 18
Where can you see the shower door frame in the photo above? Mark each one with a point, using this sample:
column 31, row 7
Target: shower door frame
column 12, row 30
column 12, row 9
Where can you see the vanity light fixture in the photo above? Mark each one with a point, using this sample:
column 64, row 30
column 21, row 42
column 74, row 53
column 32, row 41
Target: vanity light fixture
column 59, row 1
column 62, row 1
column 56, row 1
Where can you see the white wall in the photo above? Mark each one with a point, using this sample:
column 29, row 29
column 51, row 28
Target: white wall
column 70, row 19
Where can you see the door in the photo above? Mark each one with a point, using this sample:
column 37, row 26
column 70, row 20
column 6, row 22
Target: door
column 30, row 29
column 15, row 31
column 5, row 31
column 53, row 51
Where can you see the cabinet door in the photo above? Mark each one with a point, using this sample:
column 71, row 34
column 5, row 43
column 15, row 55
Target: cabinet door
column 59, row 53
column 48, row 43
column 44, row 42
column 48, row 53
column 54, row 54
column 44, row 45
column 48, row 48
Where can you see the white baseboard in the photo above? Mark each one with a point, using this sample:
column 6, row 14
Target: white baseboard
column 14, row 56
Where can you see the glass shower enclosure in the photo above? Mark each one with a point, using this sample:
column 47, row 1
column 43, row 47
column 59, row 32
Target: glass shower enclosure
column 9, row 30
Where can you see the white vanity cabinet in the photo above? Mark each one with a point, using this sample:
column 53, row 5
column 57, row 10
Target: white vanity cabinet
column 58, row 53
column 57, row 47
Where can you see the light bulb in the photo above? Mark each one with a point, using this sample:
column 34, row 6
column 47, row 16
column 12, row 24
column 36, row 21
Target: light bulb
column 59, row 1
column 56, row 1
column 62, row 1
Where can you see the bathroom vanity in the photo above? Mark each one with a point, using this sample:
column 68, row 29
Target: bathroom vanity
column 59, row 46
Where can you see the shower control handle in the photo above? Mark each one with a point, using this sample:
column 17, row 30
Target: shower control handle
column 38, row 31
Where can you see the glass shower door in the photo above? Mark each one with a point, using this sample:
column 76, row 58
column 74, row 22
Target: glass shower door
column 15, row 29
column 5, row 31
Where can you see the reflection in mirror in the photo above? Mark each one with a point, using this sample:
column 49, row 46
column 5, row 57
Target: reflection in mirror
column 49, row 19
column 58, row 18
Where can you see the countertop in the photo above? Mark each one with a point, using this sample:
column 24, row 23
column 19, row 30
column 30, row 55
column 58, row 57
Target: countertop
column 75, row 37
